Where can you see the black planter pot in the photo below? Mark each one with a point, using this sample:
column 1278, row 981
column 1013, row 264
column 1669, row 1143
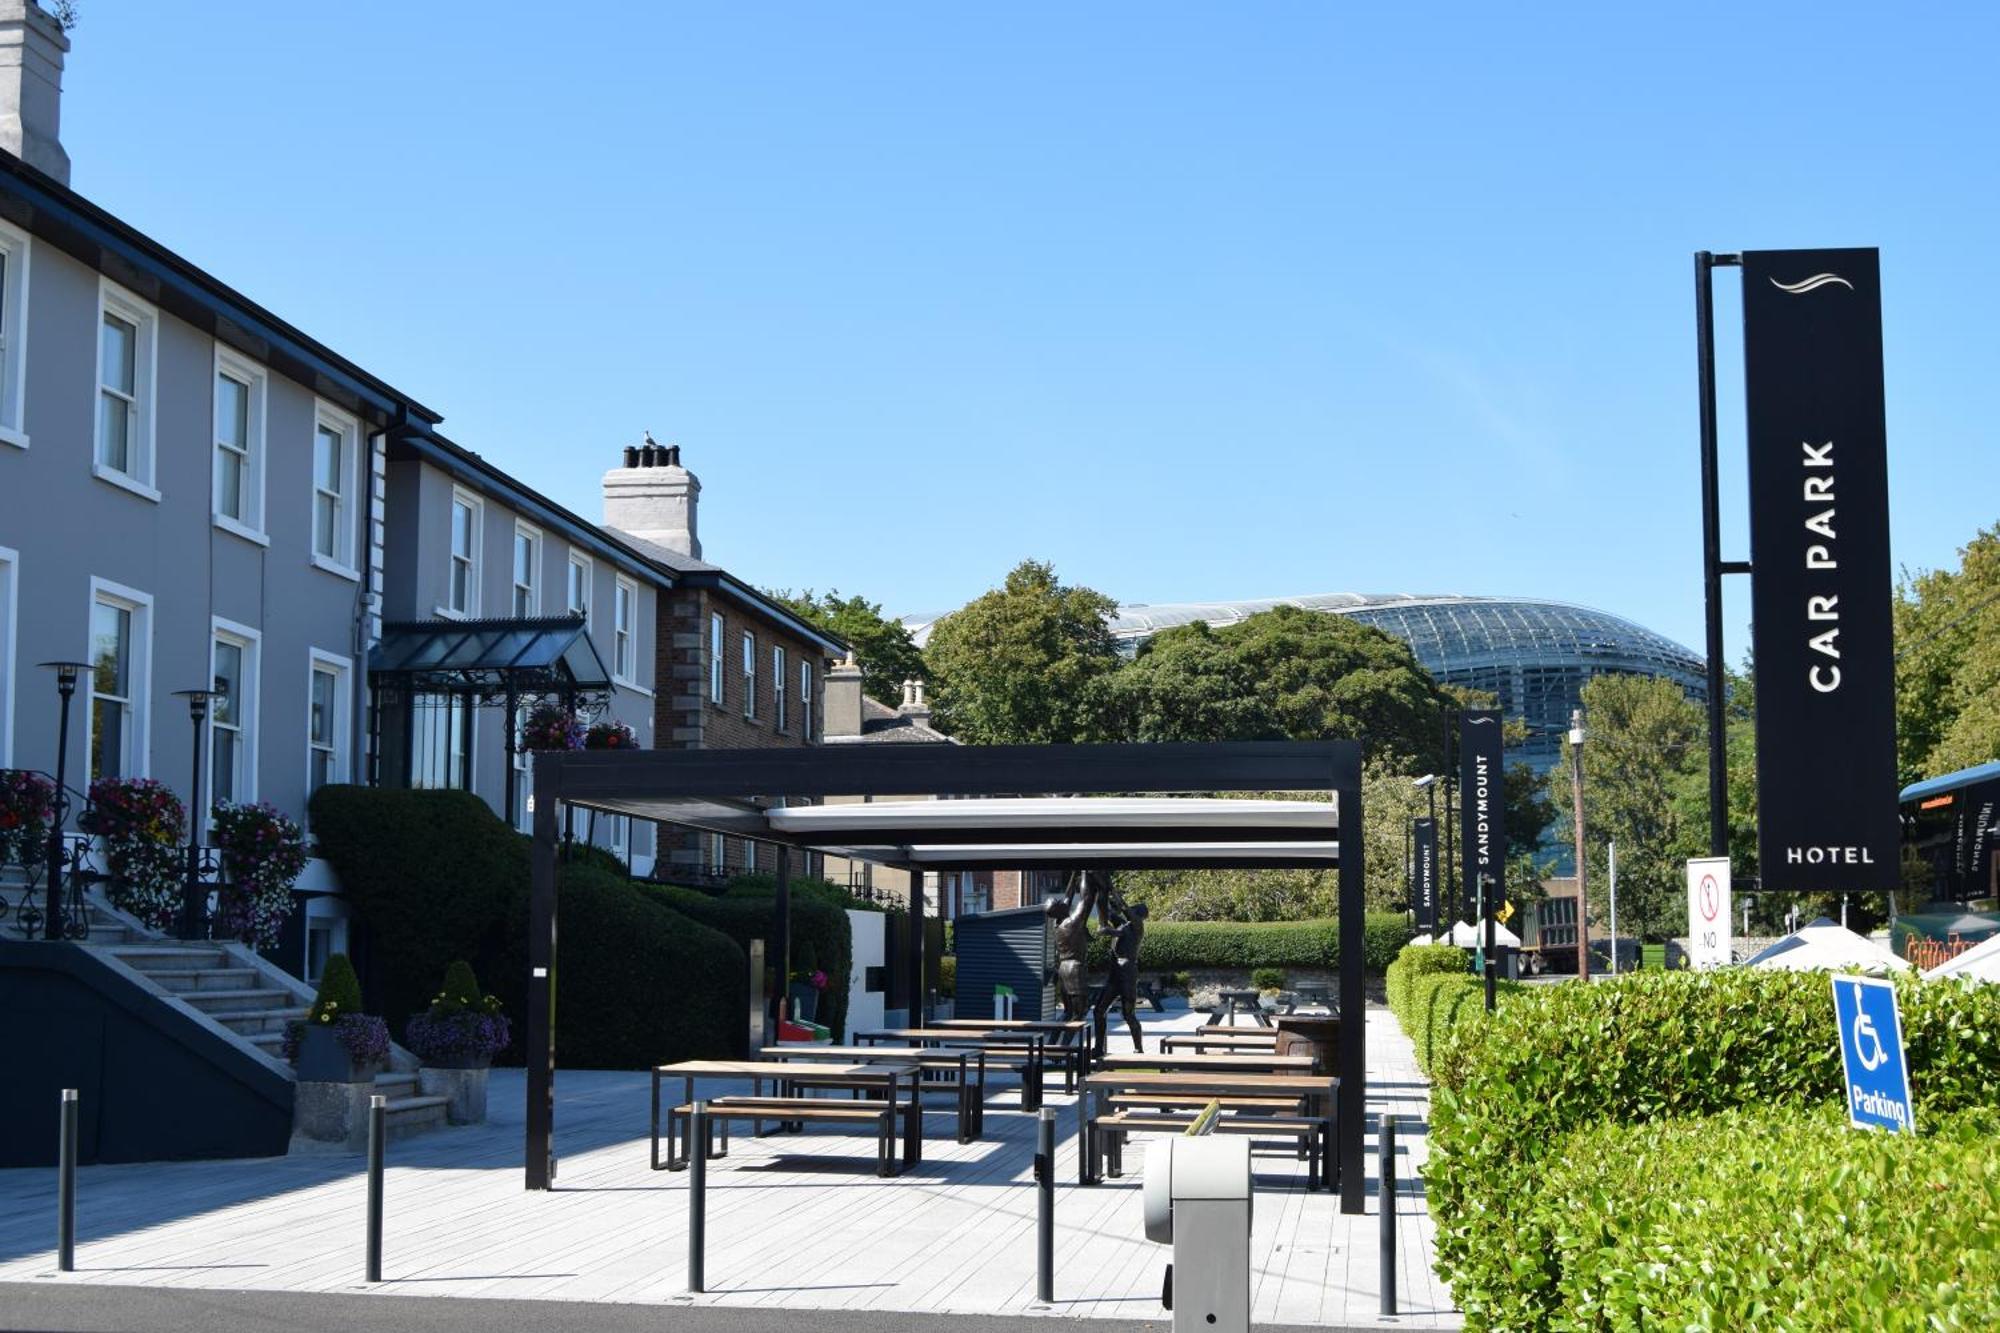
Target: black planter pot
column 323, row 1059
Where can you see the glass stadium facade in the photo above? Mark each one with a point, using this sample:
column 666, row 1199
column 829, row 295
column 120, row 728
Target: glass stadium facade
column 1533, row 655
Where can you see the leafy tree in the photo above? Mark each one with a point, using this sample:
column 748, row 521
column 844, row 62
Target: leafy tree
column 888, row 655
column 1645, row 737
column 1283, row 674
column 1026, row 663
column 1948, row 663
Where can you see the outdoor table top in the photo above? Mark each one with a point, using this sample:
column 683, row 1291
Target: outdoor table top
column 1005, row 1024
column 873, row 1056
column 1222, row 1064
column 776, row 1069
column 1304, row 1085
column 1250, row 995
column 974, row 1035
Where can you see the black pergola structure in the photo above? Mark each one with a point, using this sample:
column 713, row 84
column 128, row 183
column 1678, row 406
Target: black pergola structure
column 736, row 792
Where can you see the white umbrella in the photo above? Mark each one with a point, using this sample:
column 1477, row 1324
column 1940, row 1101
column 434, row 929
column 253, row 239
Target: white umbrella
column 1468, row 936
column 1980, row 963
column 1826, row 947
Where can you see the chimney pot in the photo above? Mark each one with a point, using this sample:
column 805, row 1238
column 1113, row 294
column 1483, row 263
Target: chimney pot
column 631, row 455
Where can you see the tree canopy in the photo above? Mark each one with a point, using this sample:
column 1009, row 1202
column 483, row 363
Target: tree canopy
column 1283, row 674
column 1948, row 663
column 888, row 655
column 1025, row 663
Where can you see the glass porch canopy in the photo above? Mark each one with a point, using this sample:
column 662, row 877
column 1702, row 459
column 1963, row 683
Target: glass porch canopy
column 1128, row 806
column 529, row 655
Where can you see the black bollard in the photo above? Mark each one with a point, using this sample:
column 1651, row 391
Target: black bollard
column 697, row 1151
column 1386, row 1169
column 1045, row 1190
column 66, row 1186
column 378, row 1130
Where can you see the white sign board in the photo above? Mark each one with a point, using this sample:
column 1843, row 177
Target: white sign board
column 1708, row 912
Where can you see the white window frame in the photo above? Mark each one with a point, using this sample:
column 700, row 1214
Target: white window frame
column 717, row 636
column 140, row 709
column 806, row 699
column 17, row 252
column 533, row 534
column 115, row 300
column 625, row 638
column 477, row 506
column 718, row 852
column 618, row 837
column 778, row 676
column 341, row 668
column 342, row 561
column 524, row 786
column 579, row 561
column 256, row 380
column 10, row 603
column 322, row 910
column 749, row 675
column 251, row 643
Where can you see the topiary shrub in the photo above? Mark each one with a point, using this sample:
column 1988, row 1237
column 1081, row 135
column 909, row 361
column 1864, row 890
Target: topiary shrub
column 433, row 876
column 1648, row 1047
column 1268, row 978
column 464, row 1027
column 339, row 991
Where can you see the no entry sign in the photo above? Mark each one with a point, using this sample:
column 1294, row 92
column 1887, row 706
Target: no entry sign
column 1708, row 912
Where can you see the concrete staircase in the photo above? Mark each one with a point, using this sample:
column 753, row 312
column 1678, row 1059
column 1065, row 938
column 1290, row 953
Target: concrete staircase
column 246, row 997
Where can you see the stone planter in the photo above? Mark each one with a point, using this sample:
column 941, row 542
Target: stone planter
column 463, row 1088
column 332, row 1113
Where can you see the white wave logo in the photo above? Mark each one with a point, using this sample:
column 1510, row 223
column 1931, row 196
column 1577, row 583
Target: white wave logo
column 1812, row 284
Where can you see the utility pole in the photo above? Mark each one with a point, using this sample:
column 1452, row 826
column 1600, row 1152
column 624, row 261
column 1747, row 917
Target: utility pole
column 1582, row 856
column 1611, row 855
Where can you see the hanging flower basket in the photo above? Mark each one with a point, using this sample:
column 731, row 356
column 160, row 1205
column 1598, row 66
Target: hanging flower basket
column 263, row 852
column 550, row 726
column 610, row 734
column 144, row 827
column 27, row 811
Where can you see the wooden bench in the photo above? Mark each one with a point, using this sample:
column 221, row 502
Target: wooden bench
column 785, row 1111
column 1106, row 1132
column 1243, row 1039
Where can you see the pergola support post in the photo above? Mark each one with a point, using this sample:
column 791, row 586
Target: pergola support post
column 783, row 929
column 540, row 1046
column 1351, row 1102
column 917, row 913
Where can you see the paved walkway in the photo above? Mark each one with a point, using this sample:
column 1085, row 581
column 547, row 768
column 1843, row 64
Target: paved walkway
column 795, row 1221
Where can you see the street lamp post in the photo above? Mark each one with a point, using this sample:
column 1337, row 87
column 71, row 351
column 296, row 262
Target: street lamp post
column 66, row 677
column 193, row 909
column 1582, row 856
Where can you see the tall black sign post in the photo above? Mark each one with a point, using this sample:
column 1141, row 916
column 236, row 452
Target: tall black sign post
column 1424, row 897
column 1819, row 545
column 1820, row 591
column 1483, row 831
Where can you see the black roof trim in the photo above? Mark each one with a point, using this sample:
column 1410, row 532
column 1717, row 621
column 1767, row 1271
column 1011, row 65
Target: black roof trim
column 52, row 212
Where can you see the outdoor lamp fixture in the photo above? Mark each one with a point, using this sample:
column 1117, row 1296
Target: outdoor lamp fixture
column 66, row 677
column 193, row 906
column 1576, row 788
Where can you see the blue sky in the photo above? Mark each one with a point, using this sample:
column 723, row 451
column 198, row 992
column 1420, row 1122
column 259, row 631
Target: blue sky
column 1196, row 301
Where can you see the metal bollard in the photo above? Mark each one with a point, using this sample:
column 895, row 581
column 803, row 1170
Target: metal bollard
column 1386, row 1169
column 697, row 1151
column 378, row 1130
column 1045, row 1189
column 66, row 1186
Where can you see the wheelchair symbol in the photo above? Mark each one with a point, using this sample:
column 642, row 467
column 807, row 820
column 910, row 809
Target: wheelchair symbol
column 1864, row 1032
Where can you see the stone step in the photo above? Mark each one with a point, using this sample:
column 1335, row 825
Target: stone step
column 256, row 1022
column 182, row 980
column 169, row 957
column 396, row 1085
column 404, row 1116
column 269, row 1042
column 237, row 1001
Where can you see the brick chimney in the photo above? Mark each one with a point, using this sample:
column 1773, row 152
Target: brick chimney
column 843, row 699
column 914, row 707
column 652, row 496
column 32, row 46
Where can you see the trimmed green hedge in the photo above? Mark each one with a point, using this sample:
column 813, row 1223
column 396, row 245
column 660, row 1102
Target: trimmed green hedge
column 1648, row 1047
column 819, row 930
column 432, row 874
column 1771, row 1219
column 434, row 877
column 1446, row 1013
column 1173, row 946
column 1420, row 960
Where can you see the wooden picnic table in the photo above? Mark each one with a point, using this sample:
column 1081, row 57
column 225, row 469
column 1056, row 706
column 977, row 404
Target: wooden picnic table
column 1202, row 1042
column 1067, row 1031
column 1233, row 1000
column 884, row 1079
column 1191, row 1063
column 996, row 1041
column 1177, row 1091
column 961, row 1062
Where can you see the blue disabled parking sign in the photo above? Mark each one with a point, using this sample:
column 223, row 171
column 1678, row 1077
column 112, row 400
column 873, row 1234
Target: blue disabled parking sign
column 1871, row 1051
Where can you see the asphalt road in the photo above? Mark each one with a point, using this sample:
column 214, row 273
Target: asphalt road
column 73, row 1308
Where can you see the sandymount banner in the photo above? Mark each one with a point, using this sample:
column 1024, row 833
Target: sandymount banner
column 1820, row 581
column 1424, row 899
column 1481, row 801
